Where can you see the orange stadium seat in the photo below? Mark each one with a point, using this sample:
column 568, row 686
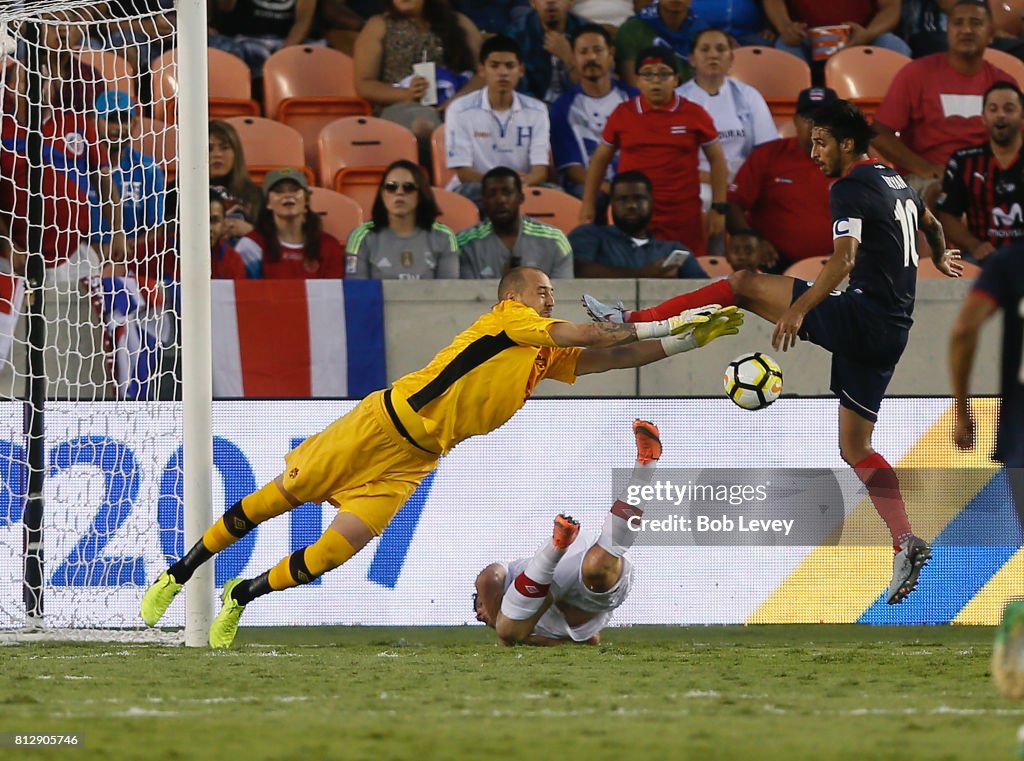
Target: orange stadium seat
column 715, row 266
column 1008, row 16
column 268, row 144
column 457, row 211
column 1008, row 63
column 777, row 75
column 355, row 150
column 863, row 74
column 228, row 80
column 439, row 158
column 339, row 213
column 806, row 269
column 307, row 87
column 926, row 269
column 112, row 68
column 555, row 207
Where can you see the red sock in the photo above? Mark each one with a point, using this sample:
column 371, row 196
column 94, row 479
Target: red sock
column 884, row 489
column 719, row 292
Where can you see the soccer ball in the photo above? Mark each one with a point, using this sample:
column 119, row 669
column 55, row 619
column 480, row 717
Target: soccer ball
column 753, row 381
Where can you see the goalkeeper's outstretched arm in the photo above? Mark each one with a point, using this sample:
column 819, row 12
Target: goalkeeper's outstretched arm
column 726, row 322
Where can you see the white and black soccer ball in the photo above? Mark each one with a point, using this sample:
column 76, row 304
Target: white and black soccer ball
column 753, row 381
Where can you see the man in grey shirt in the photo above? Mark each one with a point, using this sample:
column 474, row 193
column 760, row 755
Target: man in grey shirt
column 507, row 239
column 386, row 255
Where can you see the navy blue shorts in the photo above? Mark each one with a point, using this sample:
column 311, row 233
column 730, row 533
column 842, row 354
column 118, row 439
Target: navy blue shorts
column 865, row 346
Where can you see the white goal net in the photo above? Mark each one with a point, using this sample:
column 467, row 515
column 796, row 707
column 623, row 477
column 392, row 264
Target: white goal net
column 90, row 417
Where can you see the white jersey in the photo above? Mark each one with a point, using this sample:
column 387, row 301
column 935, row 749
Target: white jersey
column 567, row 587
column 741, row 117
column 477, row 136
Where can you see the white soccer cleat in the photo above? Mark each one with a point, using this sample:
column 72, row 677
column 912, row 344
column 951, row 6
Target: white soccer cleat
column 600, row 312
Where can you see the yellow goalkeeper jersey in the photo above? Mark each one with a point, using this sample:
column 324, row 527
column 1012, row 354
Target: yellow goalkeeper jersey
column 478, row 382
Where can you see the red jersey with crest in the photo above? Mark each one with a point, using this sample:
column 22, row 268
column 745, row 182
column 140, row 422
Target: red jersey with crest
column 664, row 143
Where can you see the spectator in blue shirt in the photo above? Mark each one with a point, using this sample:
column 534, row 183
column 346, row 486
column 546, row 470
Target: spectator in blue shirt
column 578, row 116
column 543, row 37
column 140, row 190
column 743, row 20
column 625, row 248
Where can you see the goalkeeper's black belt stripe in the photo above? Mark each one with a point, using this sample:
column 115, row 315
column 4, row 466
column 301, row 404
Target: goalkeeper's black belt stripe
column 397, row 422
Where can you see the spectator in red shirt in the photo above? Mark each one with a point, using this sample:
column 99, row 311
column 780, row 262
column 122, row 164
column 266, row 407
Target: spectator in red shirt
column 289, row 241
column 782, row 195
column 935, row 102
column 659, row 134
column 871, row 22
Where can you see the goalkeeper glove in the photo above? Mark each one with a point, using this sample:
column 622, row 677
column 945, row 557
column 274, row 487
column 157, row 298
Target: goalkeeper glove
column 673, row 326
column 725, row 322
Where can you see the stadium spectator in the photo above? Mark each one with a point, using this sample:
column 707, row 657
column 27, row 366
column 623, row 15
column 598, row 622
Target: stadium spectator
column 610, row 14
column 984, row 184
column 923, row 25
column 746, row 251
column 866, row 327
column 137, row 30
column 140, row 189
column 507, row 239
column 870, row 22
column 403, row 240
column 370, row 461
column 738, row 110
column 543, row 37
column 493, row 16
column 934, row 103
column 742, row 20
column 225, row 262
column 407, row 33
column 660, row 134
column 288, row 241
column 626, row 248
column 566, row 593
column 782, row 195
column 229, row 171
column 65, row 201
column 670, row 23
column 578, row 116
column 254, row 30
column 497, row 126
column 69, row 83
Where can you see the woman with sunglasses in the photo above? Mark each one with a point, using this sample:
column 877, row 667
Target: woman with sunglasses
column 403, row 240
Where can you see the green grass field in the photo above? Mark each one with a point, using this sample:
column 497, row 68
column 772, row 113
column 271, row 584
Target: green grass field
column 768, row 693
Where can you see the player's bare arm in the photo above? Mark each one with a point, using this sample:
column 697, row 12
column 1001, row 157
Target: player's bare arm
column 947, row 260
column 963, row 342
column 593, row 335
column 838, row 266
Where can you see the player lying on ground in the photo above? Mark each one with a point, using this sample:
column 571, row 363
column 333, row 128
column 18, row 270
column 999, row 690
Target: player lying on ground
column 369, row 462
column 566, row 593
column 1000, row 286
column 875, row 219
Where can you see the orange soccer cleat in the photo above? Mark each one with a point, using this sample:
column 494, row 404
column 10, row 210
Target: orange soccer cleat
column 648, row 443
column 565, row 533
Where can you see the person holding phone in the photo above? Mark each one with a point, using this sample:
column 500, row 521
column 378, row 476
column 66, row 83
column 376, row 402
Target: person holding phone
column 626, row 248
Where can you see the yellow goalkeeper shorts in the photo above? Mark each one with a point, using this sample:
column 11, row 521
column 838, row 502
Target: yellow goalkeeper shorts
column 360, row 463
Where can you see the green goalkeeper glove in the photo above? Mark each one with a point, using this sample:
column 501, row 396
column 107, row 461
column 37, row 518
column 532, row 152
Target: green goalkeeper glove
column 725, row 322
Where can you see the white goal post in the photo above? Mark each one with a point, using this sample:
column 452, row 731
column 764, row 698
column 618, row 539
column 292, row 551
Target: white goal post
column 106, row 448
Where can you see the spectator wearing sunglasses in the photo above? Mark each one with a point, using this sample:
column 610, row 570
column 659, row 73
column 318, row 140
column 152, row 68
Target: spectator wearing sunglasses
column 403, row 240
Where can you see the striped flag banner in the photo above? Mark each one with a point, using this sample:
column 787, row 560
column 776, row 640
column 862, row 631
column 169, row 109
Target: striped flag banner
column 297, row 338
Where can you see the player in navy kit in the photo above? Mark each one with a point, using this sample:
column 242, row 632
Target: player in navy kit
column 875, row 219
column 1000, row 286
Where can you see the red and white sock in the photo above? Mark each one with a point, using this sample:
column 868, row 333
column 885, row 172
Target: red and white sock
column 616, row 536
column 719, row 292
column 530, row 588
column 884, row 489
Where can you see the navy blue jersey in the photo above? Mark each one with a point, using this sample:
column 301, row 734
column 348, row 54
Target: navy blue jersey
column 873, row 204
column 1002, row 279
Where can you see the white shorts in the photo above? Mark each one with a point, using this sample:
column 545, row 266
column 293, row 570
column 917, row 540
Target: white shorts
column 567, row 587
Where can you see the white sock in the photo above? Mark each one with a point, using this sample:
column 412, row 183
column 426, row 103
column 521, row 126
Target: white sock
column 530, row 588
column 616, row 536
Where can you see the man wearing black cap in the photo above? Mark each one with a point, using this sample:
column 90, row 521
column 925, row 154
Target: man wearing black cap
column 659, row 134
column 780, row 194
